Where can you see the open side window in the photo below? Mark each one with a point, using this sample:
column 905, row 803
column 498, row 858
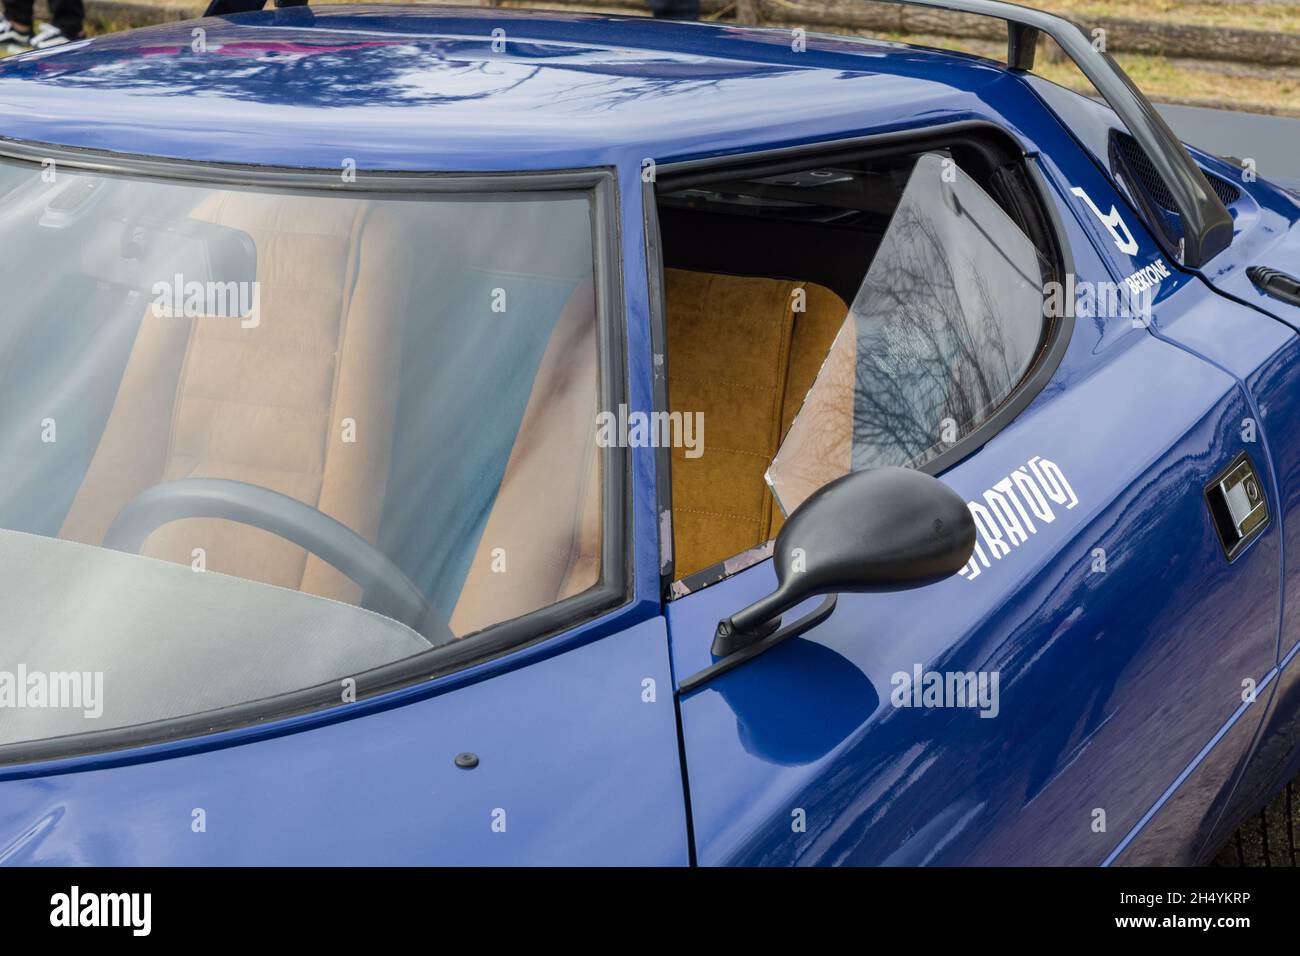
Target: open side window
column 838, row 311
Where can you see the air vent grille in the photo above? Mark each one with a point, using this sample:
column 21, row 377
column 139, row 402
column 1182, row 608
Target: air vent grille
column 1136, row 170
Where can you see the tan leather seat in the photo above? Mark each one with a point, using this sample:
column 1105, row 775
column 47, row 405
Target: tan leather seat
column 546, row 519
column 740, row 353
column 208, row 398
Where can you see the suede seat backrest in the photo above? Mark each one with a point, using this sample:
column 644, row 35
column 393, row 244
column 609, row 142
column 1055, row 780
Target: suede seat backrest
column 267, row 405
column 740, row 353
column 545, row 523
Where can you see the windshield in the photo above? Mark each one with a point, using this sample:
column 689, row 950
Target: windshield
column 256, row 440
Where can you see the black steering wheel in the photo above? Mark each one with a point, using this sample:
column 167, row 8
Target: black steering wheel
column 386, row 588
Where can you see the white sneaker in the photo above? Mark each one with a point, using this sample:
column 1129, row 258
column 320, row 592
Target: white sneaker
column 10, row 35
column 48, row 36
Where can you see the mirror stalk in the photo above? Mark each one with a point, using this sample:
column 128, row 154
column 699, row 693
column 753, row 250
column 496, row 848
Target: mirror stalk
column 887, row 529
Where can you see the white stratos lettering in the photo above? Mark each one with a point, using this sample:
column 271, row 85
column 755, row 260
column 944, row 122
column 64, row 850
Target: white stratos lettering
column 1013, row 510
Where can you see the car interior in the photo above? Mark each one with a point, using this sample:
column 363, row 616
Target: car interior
column 370, row 355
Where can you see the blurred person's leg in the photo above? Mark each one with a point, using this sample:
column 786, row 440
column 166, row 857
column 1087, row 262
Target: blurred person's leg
column 17, row 23
column 69, row 16
column 67, row 19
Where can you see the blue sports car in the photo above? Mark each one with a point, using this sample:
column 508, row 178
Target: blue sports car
column 478, row 436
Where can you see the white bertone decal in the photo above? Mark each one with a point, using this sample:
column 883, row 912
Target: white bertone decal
column 1006, row 517
column 1148, row 277
column 1113, row 222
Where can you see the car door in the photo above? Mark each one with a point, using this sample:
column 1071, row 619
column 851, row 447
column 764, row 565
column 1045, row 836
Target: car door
column 1111, row 636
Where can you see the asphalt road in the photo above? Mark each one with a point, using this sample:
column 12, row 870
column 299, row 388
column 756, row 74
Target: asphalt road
column 1272, row 141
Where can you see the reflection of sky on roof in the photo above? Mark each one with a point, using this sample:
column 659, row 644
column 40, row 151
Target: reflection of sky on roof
column 339, row 80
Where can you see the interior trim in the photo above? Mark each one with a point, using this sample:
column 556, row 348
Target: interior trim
column 613, row 591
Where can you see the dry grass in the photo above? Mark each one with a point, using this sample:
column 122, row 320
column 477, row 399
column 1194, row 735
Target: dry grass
column 1205, row 83
column 1276, row 17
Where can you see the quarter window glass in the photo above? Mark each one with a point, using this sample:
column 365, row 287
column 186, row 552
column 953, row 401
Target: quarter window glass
column 946, row 323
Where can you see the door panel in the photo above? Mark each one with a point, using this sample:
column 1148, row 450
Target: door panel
column 1111, row 682
column 1263, row 353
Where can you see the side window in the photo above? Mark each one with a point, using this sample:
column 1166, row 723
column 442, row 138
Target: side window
column 947, row 322
column 849, row 316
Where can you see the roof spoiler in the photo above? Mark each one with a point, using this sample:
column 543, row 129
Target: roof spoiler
column 1206, row 222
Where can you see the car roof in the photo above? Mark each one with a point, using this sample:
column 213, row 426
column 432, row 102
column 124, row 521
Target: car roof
column 427, row 88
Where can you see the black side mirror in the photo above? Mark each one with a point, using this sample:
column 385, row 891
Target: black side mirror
column 887, row 529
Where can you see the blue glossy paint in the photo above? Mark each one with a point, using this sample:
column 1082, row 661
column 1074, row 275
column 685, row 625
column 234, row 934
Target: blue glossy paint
column 423, row 89
column 584, row 770
column 1121, row 690
column 1263, row 357
column 1264, row 234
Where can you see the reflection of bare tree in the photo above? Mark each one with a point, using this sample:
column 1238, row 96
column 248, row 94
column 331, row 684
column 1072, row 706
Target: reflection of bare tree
column 298, row 60
column 615, row 90
column 304, row 71
column 941, row 323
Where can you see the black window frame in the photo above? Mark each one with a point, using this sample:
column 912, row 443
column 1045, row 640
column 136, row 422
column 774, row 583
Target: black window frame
column 611, row 593
column 980, row 140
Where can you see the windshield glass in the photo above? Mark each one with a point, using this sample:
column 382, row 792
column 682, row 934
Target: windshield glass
column 257, row 440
